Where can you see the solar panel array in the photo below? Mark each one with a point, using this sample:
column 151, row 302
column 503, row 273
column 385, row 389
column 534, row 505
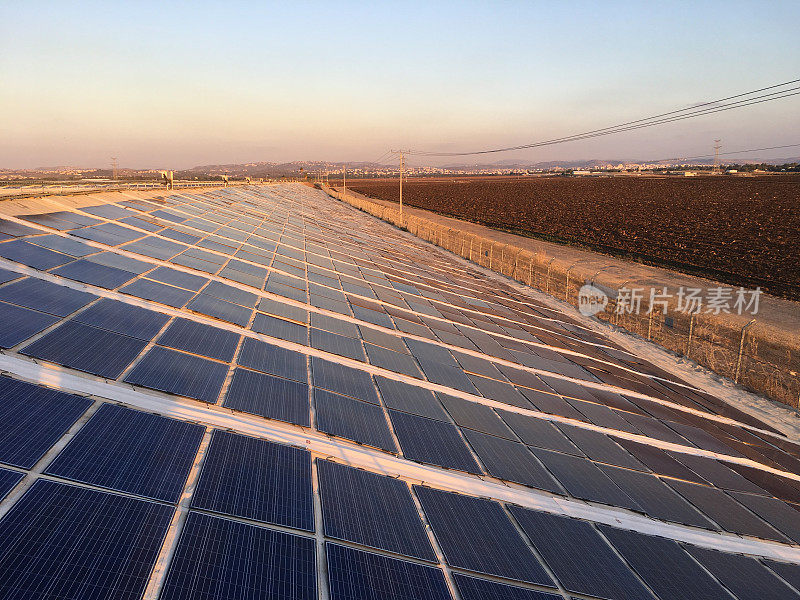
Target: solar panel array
column 277, row 310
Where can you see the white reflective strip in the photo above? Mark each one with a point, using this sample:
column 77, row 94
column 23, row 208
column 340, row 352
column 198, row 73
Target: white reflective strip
column 376, row 461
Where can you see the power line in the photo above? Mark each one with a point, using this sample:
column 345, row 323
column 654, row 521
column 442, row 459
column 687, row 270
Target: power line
column 746, row 99
column 728, row 153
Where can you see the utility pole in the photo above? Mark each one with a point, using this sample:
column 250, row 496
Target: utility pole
column 344, row 181
column 402, row 167
column 114, row 167
column 717, row 146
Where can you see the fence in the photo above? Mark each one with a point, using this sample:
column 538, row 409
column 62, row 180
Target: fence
column 749, row 354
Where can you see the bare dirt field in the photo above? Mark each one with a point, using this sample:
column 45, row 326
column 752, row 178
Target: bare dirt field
column 737, row 230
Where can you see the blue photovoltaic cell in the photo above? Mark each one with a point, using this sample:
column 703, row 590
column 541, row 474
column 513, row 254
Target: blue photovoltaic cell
column 62, row 541
column 17, row 324
column 475, row 416
column 178, row 373
column 664, row 566
column 337, row 344
column 45, row 296
column 343, row 380
column 747, row 578
column 111, row 259
column 357, row 506
column 178, row 278
column 199, row 338
column 34, row 256
column 62, row 244
column 220, row 309
column 231, row 294
column 473, row 588
column 352, row 419
column 269, row 396
column 6, row 275
column 578, row 556
column 34, row 418
column 410, row 398
column 131, row 451
column 256, row 479
column 284, row 330
column 126, row 319
column 788, row 571
column 475, row 534
column 275, row 360
column 8, row 479
column 511, row 461
column 432, row 442
column 86, row 271
column 225, row 559
column 358, row 575
column 158, row 292
column 87, row 348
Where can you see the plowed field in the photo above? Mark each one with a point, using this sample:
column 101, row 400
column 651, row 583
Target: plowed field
column 737, row 230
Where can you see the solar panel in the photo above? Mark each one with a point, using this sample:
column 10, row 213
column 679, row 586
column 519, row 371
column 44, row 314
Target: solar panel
column 357, row 506
column 131, row 451
column 178, row 373
column 108, row 233
column 379, row 338
column 337, row 344
column 45, row 296
column 747, row 578
column 659, row 461
column 477, row 535
column 220, row 309
column 474, row 588
column 268, row 396
column 723, row 509
column 199, row 338
column 539, row 433
column 283, row 310
column 62, row 541
column 281, row 329
column 467, row 413
column 789, row 572
column 400, row 362
column 6, row 275
column 410, row 398
column 17, row 324
column 775, row 512
column 352, row 419
column 716, row 473
column 511, row 461
column 86, row 271
column 598, row 446
column 583, row 479
column 343, row 380
column 358, row 575
column 123, row 318
column 178, row 278
column 158, row 292
column 579, row 557
column 34, row 418
column 63, row 245
column 8, row 479
column 655, row 497
column 448, row 376
column 432, row 442
column 664, row 566
column 275, row 360
column 87, row 348
column 125, row 263
column 34, row 256
column 221, row 558
column 256, row 479
column 499, row 390
column 231, row 294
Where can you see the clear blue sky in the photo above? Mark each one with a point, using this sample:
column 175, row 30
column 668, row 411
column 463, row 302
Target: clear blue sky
column 197, row 83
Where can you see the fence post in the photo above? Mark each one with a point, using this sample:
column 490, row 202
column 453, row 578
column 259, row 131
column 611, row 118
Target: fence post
column 547, row 286
column 530, row 271
column 491, row 255
column 741, row 350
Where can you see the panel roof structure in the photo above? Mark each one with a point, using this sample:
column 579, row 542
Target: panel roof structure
column 261, row 392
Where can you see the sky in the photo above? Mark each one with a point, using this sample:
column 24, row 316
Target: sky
column 174, row 85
